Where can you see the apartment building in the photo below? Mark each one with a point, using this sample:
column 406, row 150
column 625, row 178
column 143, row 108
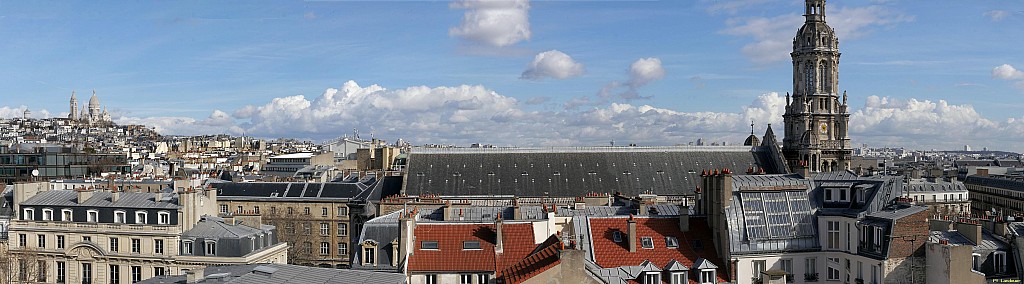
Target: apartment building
column 317, row 219
column 101, row 236
column 942, row 197
column 996, row 195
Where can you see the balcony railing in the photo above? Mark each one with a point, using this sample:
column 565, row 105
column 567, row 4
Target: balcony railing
column 810, row 277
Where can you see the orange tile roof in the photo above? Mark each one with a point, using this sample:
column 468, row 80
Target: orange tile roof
column 450, row 255
column 608, row 253
column 545, row 257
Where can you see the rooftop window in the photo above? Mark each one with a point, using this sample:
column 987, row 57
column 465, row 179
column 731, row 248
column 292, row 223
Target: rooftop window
column 671, row 242
column 428, row 245
column 647, row 242
column 471, row 245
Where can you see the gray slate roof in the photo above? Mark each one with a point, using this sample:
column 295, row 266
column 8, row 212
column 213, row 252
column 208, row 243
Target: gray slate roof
column 214, row 227
column 382, row 229
column 68, row 198
column 562, row 172
column 283, row 274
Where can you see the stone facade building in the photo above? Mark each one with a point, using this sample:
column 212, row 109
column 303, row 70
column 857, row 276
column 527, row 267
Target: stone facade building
column 94, row 236
column 816, row 116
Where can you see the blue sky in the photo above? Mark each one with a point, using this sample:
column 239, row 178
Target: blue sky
column 920, row 74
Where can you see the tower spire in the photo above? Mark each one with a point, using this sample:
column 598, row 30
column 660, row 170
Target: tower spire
column 814, row 10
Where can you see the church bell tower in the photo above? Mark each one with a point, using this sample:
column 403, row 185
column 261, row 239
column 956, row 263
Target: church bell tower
column 816, row 116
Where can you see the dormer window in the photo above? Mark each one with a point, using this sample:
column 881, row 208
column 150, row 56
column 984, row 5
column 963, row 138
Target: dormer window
column 47, row 214
column 186, row 247
column 211, row 248
column 370, row 253
column 92, row 216
column 678, row 278
column 119, row 216
column 163, row 218
column 141, row 217
column 999, row 261
column 652, row 277
column 66, row 215
column 707, row 276
column 28, row 214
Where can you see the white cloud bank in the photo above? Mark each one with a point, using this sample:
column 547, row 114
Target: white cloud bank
column 553, row 64
column 493, row 22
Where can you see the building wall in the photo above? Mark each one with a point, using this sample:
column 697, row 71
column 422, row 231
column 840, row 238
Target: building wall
column 906, row 249
column 570, row 269
column 860, row 266
column 947, row 264
column 446, row 278
column 274, row 211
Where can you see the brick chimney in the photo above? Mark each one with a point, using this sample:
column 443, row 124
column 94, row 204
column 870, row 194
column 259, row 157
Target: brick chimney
column 631, row 234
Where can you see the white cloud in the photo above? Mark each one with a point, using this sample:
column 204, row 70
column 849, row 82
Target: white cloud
column 997, row 15
column 554, row 64
column 773, row 36
column 19, row 112
column 644, row 71
column 493, row 22
column 925, row 124
column 732, row 6
column 1009, row 73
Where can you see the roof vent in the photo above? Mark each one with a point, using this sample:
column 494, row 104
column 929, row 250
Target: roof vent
column 264, row 270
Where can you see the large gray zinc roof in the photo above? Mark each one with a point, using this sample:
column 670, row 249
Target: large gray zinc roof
column 68, row 198
column 214, row 227
column 274, row 273
column 563, row 172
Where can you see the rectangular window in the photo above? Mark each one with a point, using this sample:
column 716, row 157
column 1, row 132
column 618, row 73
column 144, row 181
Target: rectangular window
column 707, row 277
column 305, row 211
column 652, row 278
column 679, row 278
column 833, row 234
column 342, row 250
column 66, row 215
column 810, row 265
column 342, row 211
column 833, row 269
column 136, row 274
column 164, row 218
column 223, row 208
column 323, row 211
column 256, row 209
column 141, row 217
column 136, row 246
column 647, row 242
column 62, row 271
column 239, row 209
column 471, row 245
column 115, row 274
column 759, row 267
column 211, row 248
column 119, row 217
column 430, row 279
column 368, row 255
column 999, row 261
column 28, row 214
column 113, row 244
column 291, row 211
column 86, row 273
column 483, row 278
column 878, row 236
column 325, row 229
column 47, row 214
column 465, row 278
column 41, row 240
column 86, row 238
column 342, row 229
column 93, row 216
column 22, row 240
column 41, row 269
column 186, row 248
column 325, row 248
column 60, row 241
column 159, row 271
column 306, row 228
column 849, row 236
column 786, row 265
column 158, row 246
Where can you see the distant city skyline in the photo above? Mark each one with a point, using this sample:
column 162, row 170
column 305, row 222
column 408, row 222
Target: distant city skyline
column 921, row 75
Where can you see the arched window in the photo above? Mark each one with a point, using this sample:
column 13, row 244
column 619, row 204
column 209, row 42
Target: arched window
column 808, row 78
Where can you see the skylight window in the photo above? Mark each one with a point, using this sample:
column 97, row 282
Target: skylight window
column 671, row 242
column 471, row 245
column 428, row 245
column 647, row 242
column 617, row 236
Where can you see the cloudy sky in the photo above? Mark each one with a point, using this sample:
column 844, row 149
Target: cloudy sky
column 920, row 74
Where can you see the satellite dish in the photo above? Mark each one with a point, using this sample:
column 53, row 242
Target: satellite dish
column 35, row 173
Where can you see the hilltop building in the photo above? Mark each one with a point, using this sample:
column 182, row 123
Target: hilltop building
column 91, row 115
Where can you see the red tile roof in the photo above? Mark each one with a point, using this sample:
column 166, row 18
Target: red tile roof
column 608, row 253
column 545, row 257
column 450, row 255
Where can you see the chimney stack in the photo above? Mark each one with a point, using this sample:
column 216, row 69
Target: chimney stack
column 499, row 246
column 194, row 275
column 684, row 217
column 970, row 230
column 84, row 194
column 631, row 234
column 115, row 195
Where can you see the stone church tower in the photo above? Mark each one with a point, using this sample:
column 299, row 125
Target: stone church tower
column 816, row 117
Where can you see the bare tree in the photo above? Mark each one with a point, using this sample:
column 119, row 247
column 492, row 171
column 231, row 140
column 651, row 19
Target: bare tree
column 21, row 266
column 297, row 231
